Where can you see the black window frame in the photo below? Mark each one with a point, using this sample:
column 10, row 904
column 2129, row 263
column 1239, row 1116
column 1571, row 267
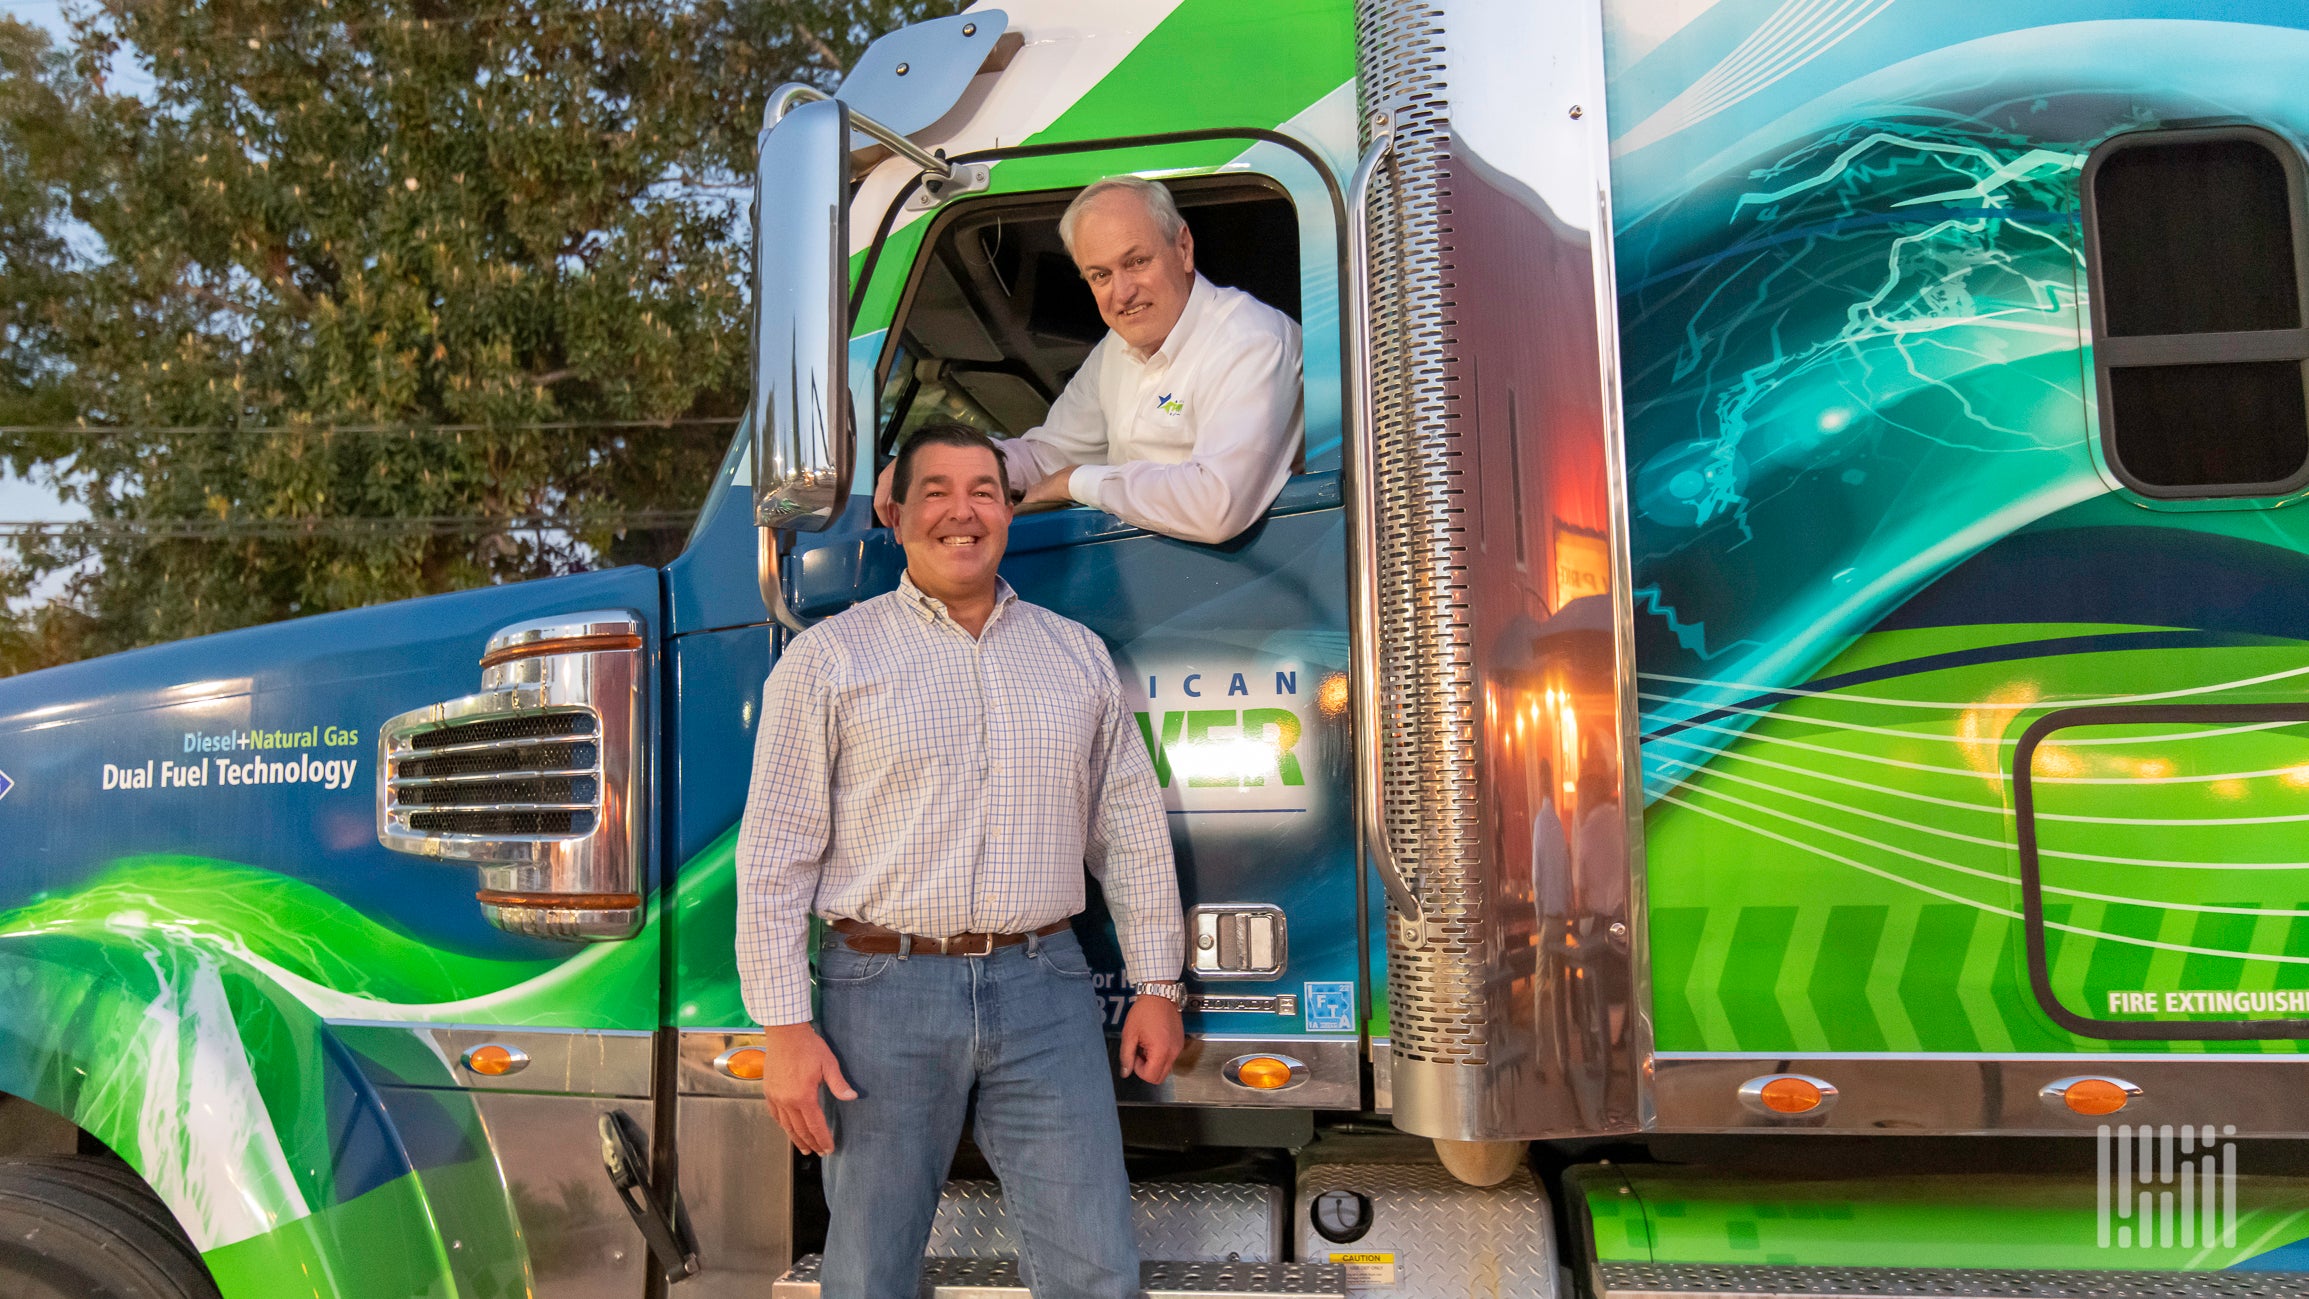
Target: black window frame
column 2242, row 346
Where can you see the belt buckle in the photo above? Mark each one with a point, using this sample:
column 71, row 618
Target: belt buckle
column 985, row 946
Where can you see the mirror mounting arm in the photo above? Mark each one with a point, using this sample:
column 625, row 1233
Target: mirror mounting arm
column 793, row 95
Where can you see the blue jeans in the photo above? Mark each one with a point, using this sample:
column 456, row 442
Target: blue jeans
column 916, row 1037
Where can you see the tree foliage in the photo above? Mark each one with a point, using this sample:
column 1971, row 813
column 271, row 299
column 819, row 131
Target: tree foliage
column 335, row 300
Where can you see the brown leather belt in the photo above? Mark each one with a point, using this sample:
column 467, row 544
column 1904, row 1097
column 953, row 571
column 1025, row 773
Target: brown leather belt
column 874, row 940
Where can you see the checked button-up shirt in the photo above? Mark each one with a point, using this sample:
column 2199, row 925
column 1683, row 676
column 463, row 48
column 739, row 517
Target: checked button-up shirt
column 909, row 775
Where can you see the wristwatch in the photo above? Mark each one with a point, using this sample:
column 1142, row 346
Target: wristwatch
column 1170, row 990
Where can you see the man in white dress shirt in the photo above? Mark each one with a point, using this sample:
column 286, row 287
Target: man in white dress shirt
column 1188, row 416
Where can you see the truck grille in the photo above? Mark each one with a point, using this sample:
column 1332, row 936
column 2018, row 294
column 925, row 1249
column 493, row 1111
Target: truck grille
column 541, row 780
column 529, row 775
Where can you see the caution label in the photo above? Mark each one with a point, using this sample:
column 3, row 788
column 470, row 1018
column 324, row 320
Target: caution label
column 1367, row 1271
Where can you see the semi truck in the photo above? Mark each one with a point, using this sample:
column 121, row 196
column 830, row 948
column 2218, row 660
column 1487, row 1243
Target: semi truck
column 1765, row 750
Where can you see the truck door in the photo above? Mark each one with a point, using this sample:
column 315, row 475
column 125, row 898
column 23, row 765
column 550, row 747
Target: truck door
column 1235, row 654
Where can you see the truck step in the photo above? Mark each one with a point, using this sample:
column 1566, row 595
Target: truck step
column 1684, row 1280
column 1212, row 1222
column 997, row 1278
column 1423, row 1234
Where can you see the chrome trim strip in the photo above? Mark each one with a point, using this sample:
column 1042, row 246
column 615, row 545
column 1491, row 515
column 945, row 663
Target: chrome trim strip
column 1334, row 1071
column 1334, row 1074
column 576, row 1062
column 2259, row 1096
column 567, row 626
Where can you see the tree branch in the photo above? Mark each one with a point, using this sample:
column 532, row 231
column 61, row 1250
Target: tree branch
column 825, row 52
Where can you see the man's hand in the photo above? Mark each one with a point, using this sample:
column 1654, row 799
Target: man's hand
column 1052, row 488
column 885, row 508
column 795, row 1062
column 1152, row 1037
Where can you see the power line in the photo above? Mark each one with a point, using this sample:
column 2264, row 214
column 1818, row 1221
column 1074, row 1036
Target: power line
column 438, row 525
column 178, row 430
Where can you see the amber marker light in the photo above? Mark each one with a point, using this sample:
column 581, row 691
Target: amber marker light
column 1264, row 1073
column 1790, row 1096
column 2091, row 1097
column 496, row 1060
column 1787, row 1095
column 744, row 1063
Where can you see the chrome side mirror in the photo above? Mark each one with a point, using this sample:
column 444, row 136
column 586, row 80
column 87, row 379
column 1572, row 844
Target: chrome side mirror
column 802, row 447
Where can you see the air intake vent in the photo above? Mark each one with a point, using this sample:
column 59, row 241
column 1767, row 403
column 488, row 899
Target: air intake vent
column 521, row 787
column 535, row 778
column 508, row 728
column 497, row 760
column 560, row 793
column 502, row 821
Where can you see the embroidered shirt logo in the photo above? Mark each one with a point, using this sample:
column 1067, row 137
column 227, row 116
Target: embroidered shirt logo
column 1170, row 405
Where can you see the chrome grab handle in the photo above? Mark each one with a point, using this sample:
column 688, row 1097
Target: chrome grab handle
column 1363, row 527
column 795, row 93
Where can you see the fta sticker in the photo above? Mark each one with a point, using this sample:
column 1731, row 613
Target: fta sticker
column 1365, row 1271
column 1330, row 1007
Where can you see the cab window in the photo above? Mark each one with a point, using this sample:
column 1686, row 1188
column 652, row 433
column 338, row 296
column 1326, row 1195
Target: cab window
column 996, row 320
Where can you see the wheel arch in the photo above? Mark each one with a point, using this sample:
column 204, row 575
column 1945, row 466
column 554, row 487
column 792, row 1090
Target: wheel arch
column 249, row 1119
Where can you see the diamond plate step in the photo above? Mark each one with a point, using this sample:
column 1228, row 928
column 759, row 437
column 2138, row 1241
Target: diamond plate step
column 1682, row 1280
column 1185, row 1221
column 1432, row 1236
column 997, row 1278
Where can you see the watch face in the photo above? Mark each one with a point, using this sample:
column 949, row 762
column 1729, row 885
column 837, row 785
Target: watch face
column 1341, row 1216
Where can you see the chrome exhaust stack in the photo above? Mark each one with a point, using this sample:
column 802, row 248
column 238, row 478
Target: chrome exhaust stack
column 1493, row 620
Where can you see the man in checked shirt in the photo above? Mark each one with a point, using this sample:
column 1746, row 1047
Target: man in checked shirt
column 935, row 769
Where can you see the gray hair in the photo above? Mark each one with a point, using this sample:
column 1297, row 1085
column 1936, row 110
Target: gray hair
column 1155, row 195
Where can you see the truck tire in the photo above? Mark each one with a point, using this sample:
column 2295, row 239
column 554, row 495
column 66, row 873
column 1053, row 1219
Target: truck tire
column 77, row 1227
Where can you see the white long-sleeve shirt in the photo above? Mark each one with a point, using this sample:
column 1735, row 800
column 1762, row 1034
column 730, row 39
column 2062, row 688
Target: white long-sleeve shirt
column 911, row 775
column 1192, row 440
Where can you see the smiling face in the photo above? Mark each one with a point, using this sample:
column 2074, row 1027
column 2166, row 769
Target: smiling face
column 954, row 522
column 1141, row 280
